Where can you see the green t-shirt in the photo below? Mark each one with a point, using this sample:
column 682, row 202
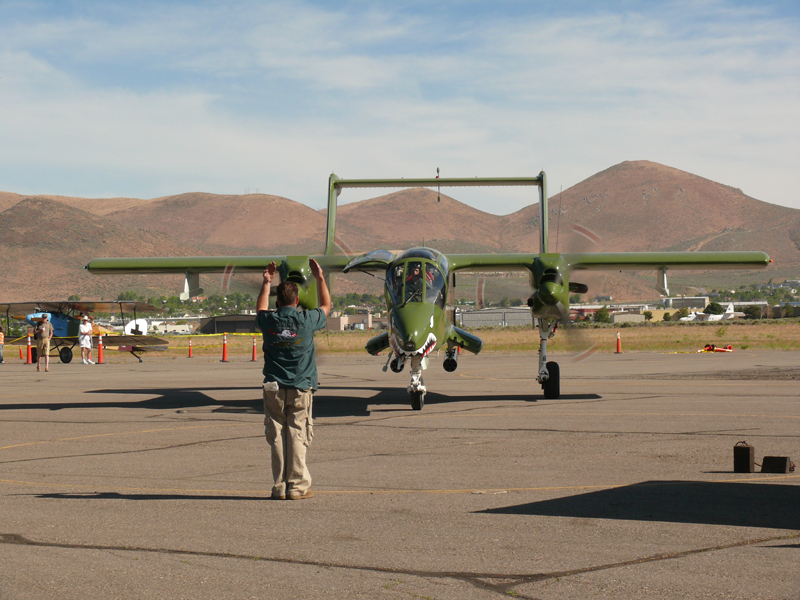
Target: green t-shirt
column 288, row 345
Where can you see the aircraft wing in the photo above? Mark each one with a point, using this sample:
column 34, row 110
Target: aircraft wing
column 202, row 264
column 80, row 306
column 131, row 340
column 618, row 261
column 19, row 307
column 642, row 261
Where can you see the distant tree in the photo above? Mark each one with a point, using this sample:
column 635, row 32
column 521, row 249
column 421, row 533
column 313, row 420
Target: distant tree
column 667, row 317
column 74, row 298
column 752, row 312
column 788, row 310
column 517, row 302
column 648, row 315
column 127, row 296
column 602, row 315
column 714, row 308
column 575, row 299
column 680, row 313
column 504, row 302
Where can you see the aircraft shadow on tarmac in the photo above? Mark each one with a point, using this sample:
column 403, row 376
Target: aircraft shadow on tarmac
column 702, row 502
column 165, row 399
column 333, row 401
column 329, row 401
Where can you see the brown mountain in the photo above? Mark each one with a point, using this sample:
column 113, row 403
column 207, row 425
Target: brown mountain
column 45, row 244
column 632, row 206
column 250, row 224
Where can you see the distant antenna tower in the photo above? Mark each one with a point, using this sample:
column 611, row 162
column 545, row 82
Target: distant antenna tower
column 246, row 191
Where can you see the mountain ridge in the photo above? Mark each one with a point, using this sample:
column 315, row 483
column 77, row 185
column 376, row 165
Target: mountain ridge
column 632, row 206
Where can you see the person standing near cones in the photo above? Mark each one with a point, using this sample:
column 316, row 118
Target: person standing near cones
column 85, row 339
column 290, row 378
column 44, row 334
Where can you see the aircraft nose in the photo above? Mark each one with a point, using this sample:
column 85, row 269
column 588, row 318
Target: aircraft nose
column 412, row 327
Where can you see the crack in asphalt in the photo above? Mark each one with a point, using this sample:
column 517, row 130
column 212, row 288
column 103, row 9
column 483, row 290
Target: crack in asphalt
column 501, row 583
column 138, row 451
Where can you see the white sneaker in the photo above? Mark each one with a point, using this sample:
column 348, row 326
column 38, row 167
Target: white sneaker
column 84, row 362
column 91, row 362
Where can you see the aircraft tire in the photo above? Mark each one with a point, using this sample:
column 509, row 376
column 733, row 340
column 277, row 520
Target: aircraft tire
column 65, row 354
column 552, row 387
column 417, row 400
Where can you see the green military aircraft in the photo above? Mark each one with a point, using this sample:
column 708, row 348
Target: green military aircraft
column 419, row 281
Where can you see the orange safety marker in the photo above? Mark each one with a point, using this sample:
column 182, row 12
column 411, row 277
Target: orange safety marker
column 224, row 347
column 619, row 344
column 254, row 350
column 20, row 354
column 30, row 356
column 190, row 348
column 100, row 360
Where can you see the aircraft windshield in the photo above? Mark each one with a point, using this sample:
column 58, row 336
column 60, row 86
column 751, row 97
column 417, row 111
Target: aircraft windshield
column 416, row 281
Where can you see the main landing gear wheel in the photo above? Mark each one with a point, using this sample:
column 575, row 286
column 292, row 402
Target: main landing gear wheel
column 552, row 386
column 65, row 354
column 417, row 400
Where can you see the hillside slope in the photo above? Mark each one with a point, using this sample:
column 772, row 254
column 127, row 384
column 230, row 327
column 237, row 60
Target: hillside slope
column 633, row 206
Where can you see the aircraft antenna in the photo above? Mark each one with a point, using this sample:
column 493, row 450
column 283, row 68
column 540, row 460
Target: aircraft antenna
column 558, row 223
column 438, row 187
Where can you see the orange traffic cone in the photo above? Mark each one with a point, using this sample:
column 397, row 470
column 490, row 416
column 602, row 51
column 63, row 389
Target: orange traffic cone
column 619, row 344
column 224, row 347
column 20, row 354
column 254, row 350
column 100, row 360
column 190, row 348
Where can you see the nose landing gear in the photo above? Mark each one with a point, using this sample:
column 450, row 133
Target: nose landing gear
column 417, row 390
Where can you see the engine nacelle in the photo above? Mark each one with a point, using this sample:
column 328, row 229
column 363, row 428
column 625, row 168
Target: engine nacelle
column 297, row 270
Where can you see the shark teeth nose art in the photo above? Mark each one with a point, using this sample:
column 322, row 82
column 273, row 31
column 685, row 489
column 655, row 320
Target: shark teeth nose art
column 424, row 350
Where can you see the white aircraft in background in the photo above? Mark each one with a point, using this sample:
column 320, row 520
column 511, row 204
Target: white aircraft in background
column 701, row 316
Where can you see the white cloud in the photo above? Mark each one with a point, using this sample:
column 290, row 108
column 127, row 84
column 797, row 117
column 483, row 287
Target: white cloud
column 170, row 98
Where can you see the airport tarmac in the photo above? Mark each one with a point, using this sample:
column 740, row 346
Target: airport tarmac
column 151, row 481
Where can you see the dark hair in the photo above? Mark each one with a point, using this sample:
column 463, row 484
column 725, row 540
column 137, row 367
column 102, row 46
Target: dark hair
column 287, row 294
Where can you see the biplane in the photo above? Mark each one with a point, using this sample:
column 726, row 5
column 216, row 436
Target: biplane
column 65, row 318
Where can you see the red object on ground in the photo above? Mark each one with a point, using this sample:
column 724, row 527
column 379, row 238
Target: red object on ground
column 190, row 348
column 224, row 347
column 619, row 344
column 30, row 356
column 100, row 360
column 254, row 350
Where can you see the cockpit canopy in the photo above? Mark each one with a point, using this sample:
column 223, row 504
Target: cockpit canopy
column 417, row 279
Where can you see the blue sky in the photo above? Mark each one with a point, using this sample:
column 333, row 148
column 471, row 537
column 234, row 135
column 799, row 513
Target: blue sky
column 148, row 99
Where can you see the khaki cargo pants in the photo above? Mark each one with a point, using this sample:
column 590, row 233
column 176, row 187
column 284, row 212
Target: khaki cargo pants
column 288, row 428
